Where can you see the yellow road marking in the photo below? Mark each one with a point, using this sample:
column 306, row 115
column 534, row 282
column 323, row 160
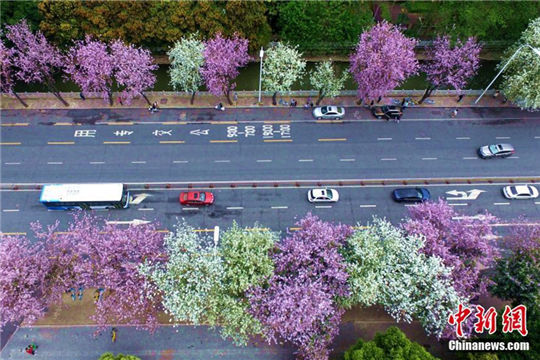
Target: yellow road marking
column 60, row 142
column 12, row 233
column 337, row 139
column 16, row 124
column 223, row 141
column 120, row 123
column 117, row 142
column 278, row 140
column 172, row 142
column 174, row 123
column 277, row 121
column 223, row 122
column 10, row 143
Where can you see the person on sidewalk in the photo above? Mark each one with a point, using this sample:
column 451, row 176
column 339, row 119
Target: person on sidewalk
column 454, row 113
column 460, row 97
column 235, row 98
column 496, row 94
column 113, row 334
column 220, row 107
column 31, row 349
column 80, row 292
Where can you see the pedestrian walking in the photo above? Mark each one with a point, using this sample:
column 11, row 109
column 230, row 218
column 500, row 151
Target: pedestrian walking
column 460, row 97
column 220, row 107
column 235, row 97
column 80, row 292
column 496, row 94
column 82, row 95
column 379, row 99
column 454, row 113
column 113, row 334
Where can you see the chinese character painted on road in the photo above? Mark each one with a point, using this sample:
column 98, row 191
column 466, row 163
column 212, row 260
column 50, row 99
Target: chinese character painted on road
column 85, row 133
column 249, row 130
column 268, row 131
column 485, row 320
column 515, row 319
column 122, row 132
column 285, row 131
column 232, row 131
column 459, row 317
column 162, row 132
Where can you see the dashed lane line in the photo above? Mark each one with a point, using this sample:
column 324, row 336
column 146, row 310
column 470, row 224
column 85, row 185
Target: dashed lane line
column 280, row 207
column 332, row 139
column 470, row 158
column 146, row 209
column 514, row 157
column 500, row 204
column 180, row 161
column 384, row 139
column 431, row 158
column 305, row 160
column 368, row 206
column 463, row 138
column 138, row 162
column 190, row 208
column 458, row 204
column 347, row 159
column 502, row 137
column 422, row 138
column 54, row 163
column 323, row 206
column 222, row 161
column 12, row 163
column 60, row 142
column 223, row 141
column 10, row 210
column 537, row 202
column 387, row 159
column 235, row 208
column 264, row 161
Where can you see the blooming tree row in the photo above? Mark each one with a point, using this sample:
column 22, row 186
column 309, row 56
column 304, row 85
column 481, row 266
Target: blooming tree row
column 249, row 283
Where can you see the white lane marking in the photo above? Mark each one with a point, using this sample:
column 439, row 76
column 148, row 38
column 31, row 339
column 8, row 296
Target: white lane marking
column 514, row 157
column 234, row 208
column 470, row 158
column 463, row 138
column 537, row 137
column 12, row 163
column 505, row 203
column 280, row 207
column 146, row 209
column 368, row 206
column 408, row 205
column 458, row 204
column 422, row 138
column 190, row 208
column 384, row 139
column 222, row 161
column 54, row 163
column 388, row 159
column 305, row 160
column 502, row 137
column 138, row 162
column 97, row 162
column 347, row 159
column 429, row 158
column 537, row 202
column 323, row 206
column 180, row 161
column 10, row 210
column 264, row 160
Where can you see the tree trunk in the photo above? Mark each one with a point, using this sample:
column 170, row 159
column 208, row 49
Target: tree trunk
column 321, row 96
column 274, row 96
column 111, row 101
column 228, row 95
column 52, row 87
column 145, row 98
column 192, row 97
column 427, row 93
column 21, row 100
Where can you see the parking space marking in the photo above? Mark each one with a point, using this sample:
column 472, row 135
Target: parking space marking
column 368, row 206
column 264, row 161
column 12, row 163
column 323, row 206
column 222, row 161
column 429, row 158
column 305, row 160
column 384, row 139
column 280, row 207
column 138, row 162
column 54, row 162
column 347, row 159
column 422, row 138
column 235, row 208
column 463, row 138
column 504, row 203
column 388, row 159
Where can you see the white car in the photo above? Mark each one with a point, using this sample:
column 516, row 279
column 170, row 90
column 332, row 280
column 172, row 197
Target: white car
column 322, row 195
column 520, row 192
column 329, row 112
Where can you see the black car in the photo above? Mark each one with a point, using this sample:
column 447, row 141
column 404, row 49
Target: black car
column 387, row 112
column 411, row 195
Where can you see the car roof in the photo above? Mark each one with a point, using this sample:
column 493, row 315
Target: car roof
column 407, row 192
column 506, row 146
column 523, row 189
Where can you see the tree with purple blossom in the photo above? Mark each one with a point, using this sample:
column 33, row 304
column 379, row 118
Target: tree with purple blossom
column 35, row 58
column 382, row 60
column 222, row 58
column 7, row 71
column 463, row 243
column 299, row 302
column 450, row 65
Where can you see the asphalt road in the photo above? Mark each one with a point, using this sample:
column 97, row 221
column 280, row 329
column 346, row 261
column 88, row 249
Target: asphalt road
column 271, row 150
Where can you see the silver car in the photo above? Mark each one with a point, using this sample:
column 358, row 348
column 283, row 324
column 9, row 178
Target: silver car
column 329, row 112
column 496, row 151
column 520, row 192
column 322, row 195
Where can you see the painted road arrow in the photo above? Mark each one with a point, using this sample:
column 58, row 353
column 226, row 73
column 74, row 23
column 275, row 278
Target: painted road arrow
column 134, row 222
column 464, row 195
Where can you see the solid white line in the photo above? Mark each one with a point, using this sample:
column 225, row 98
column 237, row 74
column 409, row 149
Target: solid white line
column 470, row 158
column 457, row 204
column 501, row 203
column 422, row 138
column 180, row 161
column 502, row 137
column 54, row 163
column 280, row 207
column 222, row 161
column 347, row 159
column 388, row 159
column 146, row 209
column 190, row 208
column 234, row 208
column 97, row 162
column 463, row 138
column 138, row 162
column 305, row 160
column 368, row 206
column 429, row 158
column 383, row 139
column 12, row 163
column 323, row 206
column 10, row 210
column 264, row 161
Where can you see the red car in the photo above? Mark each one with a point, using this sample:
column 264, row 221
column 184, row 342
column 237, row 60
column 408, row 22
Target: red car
column 198, row 198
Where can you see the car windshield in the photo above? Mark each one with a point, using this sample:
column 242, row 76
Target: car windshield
column 329, row 194
column 340, row 109
column 494, row 149
column 324, row 109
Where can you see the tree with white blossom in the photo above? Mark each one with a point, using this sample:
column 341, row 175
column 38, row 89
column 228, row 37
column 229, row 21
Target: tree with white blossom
column 326, row 81
column 186, row 58
column 282, row 66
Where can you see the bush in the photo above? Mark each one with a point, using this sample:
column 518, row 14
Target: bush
column 111, row 356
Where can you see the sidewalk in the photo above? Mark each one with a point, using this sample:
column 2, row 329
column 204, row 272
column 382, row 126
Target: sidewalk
column 246, row 99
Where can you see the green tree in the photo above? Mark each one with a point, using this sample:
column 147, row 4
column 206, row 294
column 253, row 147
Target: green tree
column 324, row 79
column 186, row 58
column 521, row 79
column 248, row 19
column 14, row 11
column 111, row 356
column 320, row 27
column 393, row 344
